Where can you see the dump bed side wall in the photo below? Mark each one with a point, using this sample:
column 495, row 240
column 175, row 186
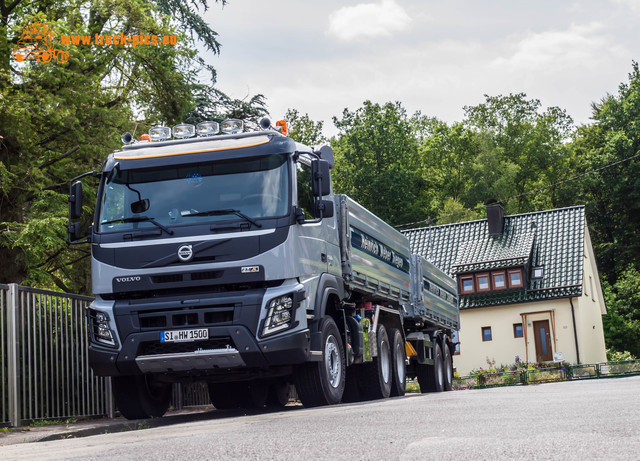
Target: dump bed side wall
column 375, row 255
column 433, row 295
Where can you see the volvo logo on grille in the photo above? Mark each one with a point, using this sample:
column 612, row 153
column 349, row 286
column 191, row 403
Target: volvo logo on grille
column 185, row 253
column 128, row 279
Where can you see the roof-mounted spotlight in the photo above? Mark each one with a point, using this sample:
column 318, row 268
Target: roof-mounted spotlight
column 184, row 130
column 160, row 133
column 232, row 126
column 207, row 128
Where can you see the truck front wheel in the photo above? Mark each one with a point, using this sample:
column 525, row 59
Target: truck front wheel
column 322, row 383
column 140, row 397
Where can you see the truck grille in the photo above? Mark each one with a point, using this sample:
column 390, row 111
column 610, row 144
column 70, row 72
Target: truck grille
column 156, row 347
column 192, row 317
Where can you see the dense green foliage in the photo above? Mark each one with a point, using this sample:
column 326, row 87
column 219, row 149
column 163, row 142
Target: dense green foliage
column 61, row 119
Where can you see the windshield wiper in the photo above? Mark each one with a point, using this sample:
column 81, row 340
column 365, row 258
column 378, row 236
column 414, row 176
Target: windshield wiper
column 224, row 212
column 140, row 219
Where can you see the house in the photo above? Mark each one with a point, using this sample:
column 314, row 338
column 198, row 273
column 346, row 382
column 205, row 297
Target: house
column 528, row 286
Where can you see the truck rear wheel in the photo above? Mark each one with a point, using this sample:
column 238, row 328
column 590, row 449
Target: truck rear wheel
column 448, row 368
column 140, row 397
column 376, row 377
column 322, row 383
column 398, row 363
column 431, row 377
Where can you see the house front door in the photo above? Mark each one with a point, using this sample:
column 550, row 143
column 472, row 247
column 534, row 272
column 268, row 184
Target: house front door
column 542, row 334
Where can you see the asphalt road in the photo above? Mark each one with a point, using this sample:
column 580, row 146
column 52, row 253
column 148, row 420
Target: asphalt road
column 598, row 419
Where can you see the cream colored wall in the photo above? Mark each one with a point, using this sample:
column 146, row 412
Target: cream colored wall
column 503, row 348
column 589, row 310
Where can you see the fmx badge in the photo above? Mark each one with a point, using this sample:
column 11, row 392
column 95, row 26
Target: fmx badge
column 36, row 43
column 249, row 269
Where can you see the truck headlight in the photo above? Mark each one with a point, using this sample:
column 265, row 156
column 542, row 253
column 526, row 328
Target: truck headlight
column 279, row 315
column 99, row 324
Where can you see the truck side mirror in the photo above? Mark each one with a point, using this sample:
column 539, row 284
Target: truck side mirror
column 321, row 178
column 75, row 200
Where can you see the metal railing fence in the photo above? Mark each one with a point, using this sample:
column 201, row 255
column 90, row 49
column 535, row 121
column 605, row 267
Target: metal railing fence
column 45, row 364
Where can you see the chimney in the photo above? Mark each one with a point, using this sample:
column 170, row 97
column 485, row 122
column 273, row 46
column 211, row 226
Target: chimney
column 495, row 217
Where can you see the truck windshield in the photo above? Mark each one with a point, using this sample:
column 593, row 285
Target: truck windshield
column 185, row 194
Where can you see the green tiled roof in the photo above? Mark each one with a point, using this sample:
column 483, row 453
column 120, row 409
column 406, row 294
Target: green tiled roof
column 553, row 239
column 511, row 248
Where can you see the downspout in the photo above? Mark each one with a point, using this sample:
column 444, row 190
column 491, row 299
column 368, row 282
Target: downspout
column 575, row 331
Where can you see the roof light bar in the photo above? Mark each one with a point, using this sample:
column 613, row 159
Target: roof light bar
column 207, row 128
column 159, row 133
column 232, row 126
column 184, row 130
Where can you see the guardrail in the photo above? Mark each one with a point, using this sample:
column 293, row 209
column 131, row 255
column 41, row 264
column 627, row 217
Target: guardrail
column 44, row 364
column 45, row 368
column 544, row 375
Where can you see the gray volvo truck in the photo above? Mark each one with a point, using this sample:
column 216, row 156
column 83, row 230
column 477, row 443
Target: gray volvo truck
column 227, row 259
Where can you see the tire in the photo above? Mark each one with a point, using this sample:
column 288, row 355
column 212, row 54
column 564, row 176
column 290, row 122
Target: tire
column 225, row 396
column 431, row 377
column 376, row 377
column 279, row 393
column 141, row 396
column 322, row 383
column 447, row 368
column 398, row 363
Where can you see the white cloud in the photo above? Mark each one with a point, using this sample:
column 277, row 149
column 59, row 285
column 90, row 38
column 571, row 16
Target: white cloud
column 367, row 20
column 579, row 45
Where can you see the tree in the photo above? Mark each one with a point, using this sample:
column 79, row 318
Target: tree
column 622, row 322
column 612, row 193
column 303, row 129
column 519, row 149
column 60, row 119
column 377, row 162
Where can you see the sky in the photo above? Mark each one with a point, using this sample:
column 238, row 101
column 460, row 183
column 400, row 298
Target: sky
column 436, row 57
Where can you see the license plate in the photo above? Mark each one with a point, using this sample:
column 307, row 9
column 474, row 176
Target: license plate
column 179, row 336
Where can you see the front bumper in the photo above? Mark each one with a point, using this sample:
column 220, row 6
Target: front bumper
column 229, row 348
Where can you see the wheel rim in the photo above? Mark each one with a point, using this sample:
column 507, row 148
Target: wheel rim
column 385, row 363
column 440, row 375
column 332, row 361
column 399, row 364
